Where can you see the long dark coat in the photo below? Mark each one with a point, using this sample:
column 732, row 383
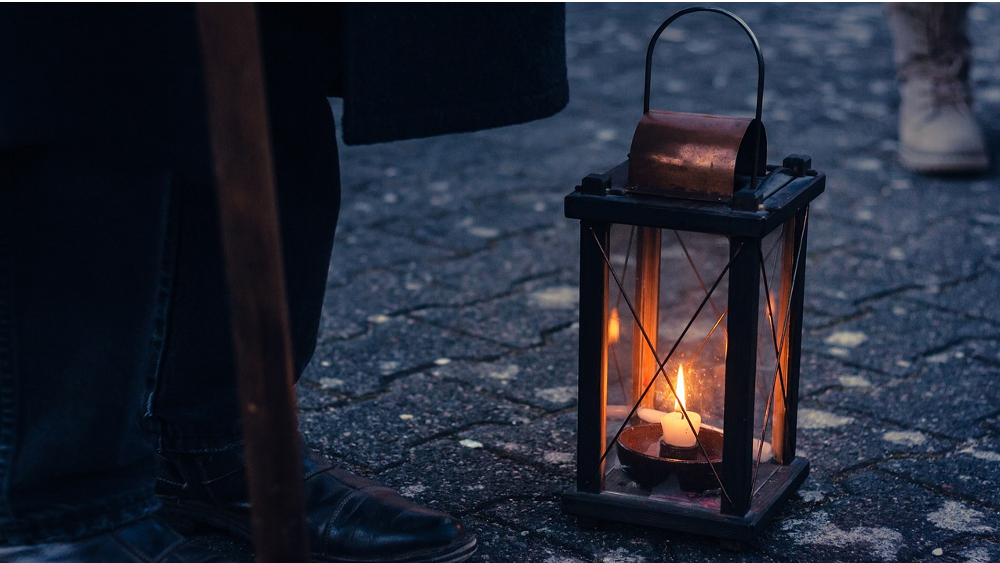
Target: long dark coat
column 444, row 68
column 130, row 74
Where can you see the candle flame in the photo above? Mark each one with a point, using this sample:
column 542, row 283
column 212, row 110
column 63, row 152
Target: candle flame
column 679, row 402
column 614, row 327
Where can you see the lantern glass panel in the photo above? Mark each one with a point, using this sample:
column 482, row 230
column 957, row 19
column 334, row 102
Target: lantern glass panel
column 771, row 328
column 667, row 305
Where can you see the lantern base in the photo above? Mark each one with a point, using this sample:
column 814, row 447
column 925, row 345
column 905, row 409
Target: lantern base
column 692, row 518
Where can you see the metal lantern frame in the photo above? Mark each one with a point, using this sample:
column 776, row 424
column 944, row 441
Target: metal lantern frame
column 762, row 201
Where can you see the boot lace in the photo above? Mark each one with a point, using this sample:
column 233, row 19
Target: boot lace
column 948, row 90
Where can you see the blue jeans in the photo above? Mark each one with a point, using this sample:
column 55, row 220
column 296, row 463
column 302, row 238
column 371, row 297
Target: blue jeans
column 114, row 329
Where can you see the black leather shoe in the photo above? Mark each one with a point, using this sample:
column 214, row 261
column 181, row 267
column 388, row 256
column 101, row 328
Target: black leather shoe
column 145, row 541
column 351, row 519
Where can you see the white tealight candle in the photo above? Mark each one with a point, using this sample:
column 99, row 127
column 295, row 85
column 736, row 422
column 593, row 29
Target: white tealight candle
column 650, row 415
column 677, row 432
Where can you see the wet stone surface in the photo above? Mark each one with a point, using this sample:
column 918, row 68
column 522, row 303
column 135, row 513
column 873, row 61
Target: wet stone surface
column 859, row 525
column 446, row 363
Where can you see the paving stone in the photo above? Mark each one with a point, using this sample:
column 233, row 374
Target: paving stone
column 686, row 549
column 992, row 424
column 882, row 519
column 850, row 275
column 399, row 181
column 974, row 296
column 928, row 204
column 310, row 396
column 414, row 410
column 946, row 396
column 826, row 307
column 359, row 251
column 462, row 478
column 965, row 550
column 826, row 234
column 611, row 542
column 494, row 218
column 968, row 471
column 853, row 191
column 968, row 246
column 497, row 543
column 872, row 193
column 382, row 294
column 393, row 347
column 835, row 440
column 820, row 372
column 512, row 261
column 894, row 334
column 544, row 377
column 548, row 444
column 519, row 321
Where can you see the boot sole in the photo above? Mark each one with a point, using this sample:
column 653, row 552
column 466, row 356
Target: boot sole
column 937, row 163
column 187, row 517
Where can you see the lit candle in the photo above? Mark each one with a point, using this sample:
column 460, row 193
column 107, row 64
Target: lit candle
column 614, row 327
column 676, row 430
column 651, row 415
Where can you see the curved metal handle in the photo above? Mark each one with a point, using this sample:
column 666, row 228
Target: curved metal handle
column 728, row 14
column 760, row 72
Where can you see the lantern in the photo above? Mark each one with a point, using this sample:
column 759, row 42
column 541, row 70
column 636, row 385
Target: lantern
column 692, row 271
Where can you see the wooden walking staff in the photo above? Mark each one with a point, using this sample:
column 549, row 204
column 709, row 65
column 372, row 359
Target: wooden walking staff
column 251, row 244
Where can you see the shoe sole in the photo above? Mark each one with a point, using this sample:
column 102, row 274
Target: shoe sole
column 936, row 163
column 187, row 517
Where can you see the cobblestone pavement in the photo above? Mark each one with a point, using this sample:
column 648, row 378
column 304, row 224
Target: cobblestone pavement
column 447, row 358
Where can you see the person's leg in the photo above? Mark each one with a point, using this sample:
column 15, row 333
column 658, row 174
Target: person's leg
column 193, row 412
column 194, row 407
column 938, row 131
column 202, row 478
column 80, row 233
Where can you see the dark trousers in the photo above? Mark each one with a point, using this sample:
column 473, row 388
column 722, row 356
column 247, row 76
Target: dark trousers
column 114, row 330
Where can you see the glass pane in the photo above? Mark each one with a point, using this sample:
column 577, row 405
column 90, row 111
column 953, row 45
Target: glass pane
column 661, row 323
column 769, row 330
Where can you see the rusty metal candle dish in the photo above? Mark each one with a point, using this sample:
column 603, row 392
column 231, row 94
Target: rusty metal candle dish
column 646, row 460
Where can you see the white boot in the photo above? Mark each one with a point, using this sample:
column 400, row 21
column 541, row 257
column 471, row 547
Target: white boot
column 938, row 132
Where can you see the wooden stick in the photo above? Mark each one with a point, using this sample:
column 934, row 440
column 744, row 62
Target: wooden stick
column 251, row 244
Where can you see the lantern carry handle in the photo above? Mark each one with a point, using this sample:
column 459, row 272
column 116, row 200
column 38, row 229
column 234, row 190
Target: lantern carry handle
column 728, row 14
column 760, row 75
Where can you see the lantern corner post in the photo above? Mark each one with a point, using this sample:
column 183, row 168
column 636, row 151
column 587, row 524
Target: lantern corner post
column 593, row 373
column 741, row 372
column 792, row 294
